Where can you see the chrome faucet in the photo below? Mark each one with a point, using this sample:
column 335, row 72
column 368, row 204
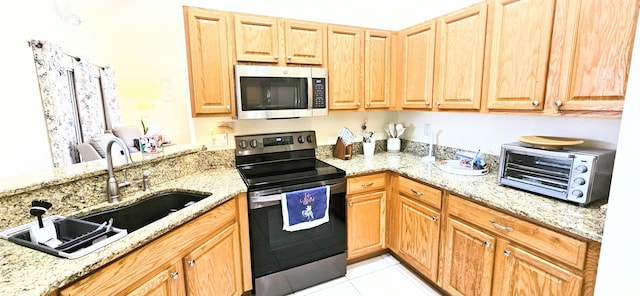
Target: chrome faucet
column 113, row 187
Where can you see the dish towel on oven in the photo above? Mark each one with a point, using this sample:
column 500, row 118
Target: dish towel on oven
column 304, row 209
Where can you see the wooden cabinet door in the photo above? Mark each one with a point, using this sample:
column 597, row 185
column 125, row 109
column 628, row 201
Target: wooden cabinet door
column 168, row 281
column 519, row 54
column 596, row 56
column 468, row 260
column 365, row 224
column 419, row 233
column 344, row 65
column 519, row 272
column 215, row 267
column 377, row 69
column 210, row 82
column 418, row 49
column 303, row 42
column 460, row 58
column 257, row 39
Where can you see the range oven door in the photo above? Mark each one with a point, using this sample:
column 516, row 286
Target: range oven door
column 274, row 249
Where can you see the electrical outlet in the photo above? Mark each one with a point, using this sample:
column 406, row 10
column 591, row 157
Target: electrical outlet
column 427, row 130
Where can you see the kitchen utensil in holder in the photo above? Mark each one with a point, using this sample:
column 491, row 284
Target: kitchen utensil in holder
column 342, row 151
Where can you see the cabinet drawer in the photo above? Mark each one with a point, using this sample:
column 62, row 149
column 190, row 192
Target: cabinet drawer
column 366, row 183
column 421, row 192
column 558, row 246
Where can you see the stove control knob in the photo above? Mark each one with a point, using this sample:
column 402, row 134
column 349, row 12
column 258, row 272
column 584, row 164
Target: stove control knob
column 309, row 139
column 581, row 169
column 253, row 143
column 579, row 181
column 242, row 144
column 577, row 193
column 300, row 139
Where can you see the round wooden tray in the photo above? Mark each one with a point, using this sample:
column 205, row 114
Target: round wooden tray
column 549, row 143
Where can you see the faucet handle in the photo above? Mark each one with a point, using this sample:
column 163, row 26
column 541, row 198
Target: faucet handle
column 145, row 180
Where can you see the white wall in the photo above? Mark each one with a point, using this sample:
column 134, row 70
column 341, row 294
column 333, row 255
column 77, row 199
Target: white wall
column 619, row 258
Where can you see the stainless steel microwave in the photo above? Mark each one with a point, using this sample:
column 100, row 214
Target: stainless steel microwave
column 269, row 92
column 581, row 176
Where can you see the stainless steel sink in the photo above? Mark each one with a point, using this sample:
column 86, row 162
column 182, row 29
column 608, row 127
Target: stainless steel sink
column 142, row 213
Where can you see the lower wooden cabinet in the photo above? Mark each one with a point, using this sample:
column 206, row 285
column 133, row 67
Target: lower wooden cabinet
column 521, row 272
column 203, row 257
column 468, row 260
column 214, row 268
column 419, row 231
column 366, row 215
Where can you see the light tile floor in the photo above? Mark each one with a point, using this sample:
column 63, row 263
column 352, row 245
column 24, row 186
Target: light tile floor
column 382, row 275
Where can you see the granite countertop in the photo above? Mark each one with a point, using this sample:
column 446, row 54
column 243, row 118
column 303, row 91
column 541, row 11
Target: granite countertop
column 28, row 272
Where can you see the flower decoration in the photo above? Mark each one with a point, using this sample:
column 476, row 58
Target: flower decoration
column 367, row 137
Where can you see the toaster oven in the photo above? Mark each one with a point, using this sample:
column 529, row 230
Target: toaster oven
column 581, row 176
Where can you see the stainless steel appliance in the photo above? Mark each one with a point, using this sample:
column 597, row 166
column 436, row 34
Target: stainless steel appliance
column 581, row 176
column 283, row 262
column 280, row 92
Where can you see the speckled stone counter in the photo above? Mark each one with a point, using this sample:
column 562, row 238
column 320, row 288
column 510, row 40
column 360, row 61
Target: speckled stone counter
column 28, row 272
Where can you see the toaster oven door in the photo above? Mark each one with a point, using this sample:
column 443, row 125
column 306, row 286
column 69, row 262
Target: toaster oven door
column 545, row 174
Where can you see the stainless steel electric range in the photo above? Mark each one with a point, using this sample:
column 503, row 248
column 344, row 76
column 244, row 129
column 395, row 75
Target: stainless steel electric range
column 283, row 262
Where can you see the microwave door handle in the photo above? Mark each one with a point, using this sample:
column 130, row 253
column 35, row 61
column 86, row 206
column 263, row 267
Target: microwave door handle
column 310, row 92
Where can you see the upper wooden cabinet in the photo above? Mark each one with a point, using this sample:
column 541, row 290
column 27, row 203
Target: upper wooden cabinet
column 596, row 44
column 416, row 73
column 377, row 69
column 344, row 47
column 272, row 40
column 459, row 57
column 519, row 54
column 210, row 82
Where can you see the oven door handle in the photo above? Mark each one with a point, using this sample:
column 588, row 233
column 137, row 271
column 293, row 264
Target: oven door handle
column 274, row 197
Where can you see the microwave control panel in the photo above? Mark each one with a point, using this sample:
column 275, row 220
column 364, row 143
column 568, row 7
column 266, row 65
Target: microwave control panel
column 319, row 93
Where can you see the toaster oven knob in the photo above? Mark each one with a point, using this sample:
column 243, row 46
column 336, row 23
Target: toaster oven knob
column 579, row 181
column 253, row 143
column 577, row 193
column 581, row 169
column 300, row 139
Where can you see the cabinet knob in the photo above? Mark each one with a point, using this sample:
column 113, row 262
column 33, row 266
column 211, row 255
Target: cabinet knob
column 350, row 204
column 368, row 104
column 191, row 262
column 358, row 104
column 289, row 57
column 416, row 192
column 487, row 244
column 228, row 107
column 427, row 103
column 437, row 103
column 276, row 57
column 174, row 275
column 434, row 218
column 507, row 253
column 558, row 103
column 535, row 103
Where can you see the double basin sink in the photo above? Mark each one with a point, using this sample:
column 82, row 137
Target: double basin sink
column 83, row 235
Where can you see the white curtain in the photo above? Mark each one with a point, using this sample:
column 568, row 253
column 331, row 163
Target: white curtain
column 76, row 110
column 110, row 97
column 87, row 87
column 56, row 101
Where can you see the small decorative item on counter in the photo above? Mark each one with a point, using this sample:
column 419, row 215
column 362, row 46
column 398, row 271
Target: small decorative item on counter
column 367, row 137
column 151, row 144
column 468, row 164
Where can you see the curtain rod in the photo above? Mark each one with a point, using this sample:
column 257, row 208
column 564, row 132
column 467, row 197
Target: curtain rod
column 39, row 45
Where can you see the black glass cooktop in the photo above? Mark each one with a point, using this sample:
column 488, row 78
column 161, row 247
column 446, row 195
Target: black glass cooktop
column 283, row 173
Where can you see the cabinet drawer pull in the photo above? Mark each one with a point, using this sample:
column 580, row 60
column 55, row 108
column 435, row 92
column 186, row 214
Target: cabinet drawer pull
column 487, row 244
column 416, row 192
column 366, row 185
column 174, row 275
column 507, row 253
column 191, row 262
column 501, row 227
column 434, row 218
